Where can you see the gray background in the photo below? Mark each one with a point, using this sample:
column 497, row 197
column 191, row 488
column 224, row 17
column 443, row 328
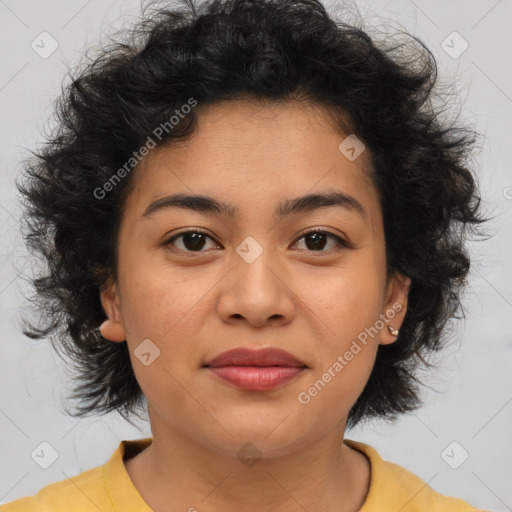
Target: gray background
column 471, row 395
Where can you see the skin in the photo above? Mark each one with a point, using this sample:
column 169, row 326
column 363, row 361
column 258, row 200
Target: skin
column 195, row 305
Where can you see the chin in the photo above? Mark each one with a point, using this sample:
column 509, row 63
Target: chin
column 270, row 435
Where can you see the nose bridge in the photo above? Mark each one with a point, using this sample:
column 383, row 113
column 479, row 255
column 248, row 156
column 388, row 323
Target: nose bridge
column 253, row 263
column 254, row 289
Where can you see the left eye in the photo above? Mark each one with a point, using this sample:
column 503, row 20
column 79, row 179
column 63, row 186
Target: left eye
column 194, row 240
column 317, row 240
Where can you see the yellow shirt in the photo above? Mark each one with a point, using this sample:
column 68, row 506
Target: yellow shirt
column 108, row 488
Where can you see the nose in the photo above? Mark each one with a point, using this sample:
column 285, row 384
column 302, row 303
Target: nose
column 258, row 293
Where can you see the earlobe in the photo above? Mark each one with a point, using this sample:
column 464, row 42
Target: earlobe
column 393, row 331
column 112, row 329
column 395, row 308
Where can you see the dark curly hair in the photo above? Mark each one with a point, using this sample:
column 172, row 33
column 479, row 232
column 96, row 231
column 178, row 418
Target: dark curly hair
column 273, row 51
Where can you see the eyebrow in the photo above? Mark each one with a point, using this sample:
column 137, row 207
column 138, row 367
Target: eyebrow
column 310, row 202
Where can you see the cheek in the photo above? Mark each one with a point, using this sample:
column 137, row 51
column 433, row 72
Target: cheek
column 349, row 302
column 338, row 381
column 346, row 300
column 160, row 307
column 343, row 371
column 168, row 308
column 158, row 301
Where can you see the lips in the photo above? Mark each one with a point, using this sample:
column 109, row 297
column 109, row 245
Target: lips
column 255, row 370
column 252, row 357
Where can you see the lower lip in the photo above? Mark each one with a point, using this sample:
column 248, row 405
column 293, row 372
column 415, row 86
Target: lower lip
column 256, row 378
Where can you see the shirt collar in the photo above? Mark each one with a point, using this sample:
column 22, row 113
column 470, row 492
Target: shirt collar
column 123, row 494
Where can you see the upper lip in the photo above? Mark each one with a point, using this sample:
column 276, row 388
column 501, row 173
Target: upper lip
column 255, row 357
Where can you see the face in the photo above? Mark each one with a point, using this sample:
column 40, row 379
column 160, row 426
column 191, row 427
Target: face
column 253, row 277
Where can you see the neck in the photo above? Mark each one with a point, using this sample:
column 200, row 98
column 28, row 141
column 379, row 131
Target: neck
column 323, row 475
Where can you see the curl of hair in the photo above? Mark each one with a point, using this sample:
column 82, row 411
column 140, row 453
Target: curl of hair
column 273, row 51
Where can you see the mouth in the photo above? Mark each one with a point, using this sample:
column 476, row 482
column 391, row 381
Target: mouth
column 255, row 370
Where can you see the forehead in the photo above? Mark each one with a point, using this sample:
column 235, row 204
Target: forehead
column 250, row 152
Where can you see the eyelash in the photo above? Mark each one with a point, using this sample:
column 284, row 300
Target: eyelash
column 342, row 244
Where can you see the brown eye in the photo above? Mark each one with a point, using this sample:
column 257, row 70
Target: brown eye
column 190, row 241
column 317, row 240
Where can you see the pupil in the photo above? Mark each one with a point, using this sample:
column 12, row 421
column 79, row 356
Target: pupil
column 318, row 241
column 194, row 240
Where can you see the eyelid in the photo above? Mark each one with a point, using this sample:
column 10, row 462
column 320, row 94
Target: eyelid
column 168, row 241
column 321, row 229
column 343, row 243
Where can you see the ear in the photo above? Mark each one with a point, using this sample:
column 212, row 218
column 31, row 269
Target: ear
column 112, row 329
column 395, row 307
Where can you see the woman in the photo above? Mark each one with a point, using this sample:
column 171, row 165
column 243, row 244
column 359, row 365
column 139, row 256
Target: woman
column 254, row 221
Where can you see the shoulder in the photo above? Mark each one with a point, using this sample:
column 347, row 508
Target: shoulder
column 106, row 488
column 397, row 488
column 85, row 491
column 82, row 490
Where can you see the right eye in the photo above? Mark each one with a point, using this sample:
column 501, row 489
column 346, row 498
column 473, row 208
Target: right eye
column 190, row 241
